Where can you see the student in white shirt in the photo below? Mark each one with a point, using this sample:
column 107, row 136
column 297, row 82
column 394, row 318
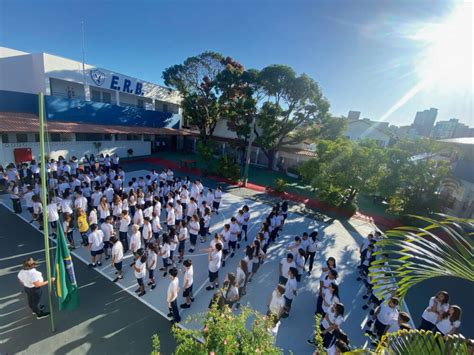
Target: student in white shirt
column 147, row 230
column 242, row 274
column 138, row 216
column 400, row 323
column 103, row 209
column 245, row 222
column 205, row 224
column 139, row 268
column 123, row 229
column 284, row 267
column 32, row 281
column 332, row 321
column 152, row 259
column 191, row 209
column 96, row 245
column 313, row 246
column 438, row 306
column 450, row 322
column 117, row 257
column 38, row 210
column 165, row 252
column 108, row 229
column 384, row 314
column 53, row 216
column 172, row 296
column 234, row 235
column 214, row 258
column 193, row 228
column 170, row 216
column 276, row 302
column 93, row 217
column 80, row 202
column 330, row 297
column 28, row 199
column 68, row 228
column 188, row 280
column 182, row 236
column 217, row 199
column 135, row 239
column 96, row 197
column 290, row 291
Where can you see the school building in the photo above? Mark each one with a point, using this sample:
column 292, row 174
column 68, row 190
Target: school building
column 91, row 109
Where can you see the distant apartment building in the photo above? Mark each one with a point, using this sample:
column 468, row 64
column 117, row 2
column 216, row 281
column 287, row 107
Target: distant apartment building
column 424, row 121
column 451, row 129
column 353, row 115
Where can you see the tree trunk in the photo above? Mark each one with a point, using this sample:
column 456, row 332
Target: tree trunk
column 352, row 195
column 271, row 159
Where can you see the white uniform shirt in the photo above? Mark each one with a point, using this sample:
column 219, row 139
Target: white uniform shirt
column 276, row 303
column 215, row 262
column 173, row 288
column 188, row 276
column 96, row 239
column 52, row 211
column 29, row 277
column 386, row 314
column 332, row 319
column 141, row 273
column 117, row 251
column 285, row 267
column 290, row 288
column 432, row 317
column 135, row 242
column 445, row 325
column 107, row 229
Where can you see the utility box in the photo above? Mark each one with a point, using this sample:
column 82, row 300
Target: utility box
column 22, row 155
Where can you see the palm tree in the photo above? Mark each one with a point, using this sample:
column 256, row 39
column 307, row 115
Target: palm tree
column 415, row 254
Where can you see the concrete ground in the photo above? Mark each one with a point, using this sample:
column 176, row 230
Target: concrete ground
column 111, row 316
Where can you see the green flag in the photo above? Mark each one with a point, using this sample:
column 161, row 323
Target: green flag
column 66, row 285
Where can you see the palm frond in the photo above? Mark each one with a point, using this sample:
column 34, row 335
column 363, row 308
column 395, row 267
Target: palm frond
column 409, row 255
column 422, row 342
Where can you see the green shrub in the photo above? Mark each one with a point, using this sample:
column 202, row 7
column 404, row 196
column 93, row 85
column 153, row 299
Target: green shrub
column 279, row 185
column 295, row 169
column 227, row 169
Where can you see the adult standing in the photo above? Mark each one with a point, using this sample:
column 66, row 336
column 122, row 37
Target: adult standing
column 32, row 281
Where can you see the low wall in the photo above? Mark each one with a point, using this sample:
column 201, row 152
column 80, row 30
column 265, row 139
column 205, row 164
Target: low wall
column 78, row 149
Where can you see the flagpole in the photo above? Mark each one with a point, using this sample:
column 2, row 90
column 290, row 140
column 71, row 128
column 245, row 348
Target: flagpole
column 45, row 202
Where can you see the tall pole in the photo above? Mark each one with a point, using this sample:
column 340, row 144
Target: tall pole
column 249, row 152
column 45, row 202
column 83, row 57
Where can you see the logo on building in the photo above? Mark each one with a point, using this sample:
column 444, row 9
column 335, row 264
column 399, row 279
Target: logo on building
column 97, row 77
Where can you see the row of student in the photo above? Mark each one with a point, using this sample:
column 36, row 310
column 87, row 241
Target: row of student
column 385, row 316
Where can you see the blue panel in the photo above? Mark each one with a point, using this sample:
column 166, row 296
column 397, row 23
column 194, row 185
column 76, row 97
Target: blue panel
column 12, row 101
column 62, row 109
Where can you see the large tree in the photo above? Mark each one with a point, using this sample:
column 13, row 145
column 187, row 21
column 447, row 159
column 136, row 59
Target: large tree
column 291, row 108
column 195, row 79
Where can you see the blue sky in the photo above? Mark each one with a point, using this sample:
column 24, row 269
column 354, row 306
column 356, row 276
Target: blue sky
column 359, row 51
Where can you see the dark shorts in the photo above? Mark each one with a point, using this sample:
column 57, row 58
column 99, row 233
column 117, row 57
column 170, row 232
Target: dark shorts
column 97, row 252
column 140, row 281
column 255, row 267
column 288, row 302
column 213, row 275
column 244, row 227
column 204, row 231
column 166, row 262
column 188, row 291
column 181, row 245
column 298, row 277
column 118, row 266
column 30, row 209
column 151, row 273
column 193, row 238
column 215, row 205
column 282, row 280
column 107, row 245
column 232, row 244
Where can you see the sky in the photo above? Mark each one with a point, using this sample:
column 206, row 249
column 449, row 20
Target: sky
column 387, row 59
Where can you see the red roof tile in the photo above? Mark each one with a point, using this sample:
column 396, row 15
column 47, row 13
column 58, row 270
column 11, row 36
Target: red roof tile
column 15, row 122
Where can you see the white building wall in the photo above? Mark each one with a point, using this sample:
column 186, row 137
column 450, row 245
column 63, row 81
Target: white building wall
column 78, row 149
column 358, row 130
column 22, row 73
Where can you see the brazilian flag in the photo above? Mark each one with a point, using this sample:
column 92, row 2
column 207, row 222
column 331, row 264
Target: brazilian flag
column 66, row 285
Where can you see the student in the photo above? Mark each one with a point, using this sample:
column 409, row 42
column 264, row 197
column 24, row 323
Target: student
column 108, row 229
column 276, row 302
column 234, row 235
column 139, row 268
column 191, row 209
column 242, row 276
column 165, row 252
column 183, row 235
column 225, row 234
column 123, row 229
column 328, row 275
column 290, row 291
column 214, row 257
column 147, row 231
column 331, row 323
column 152, row 258
column 170, row 216
column 172, row 296
column 156, row 226
column 245, row 222
column 240, row 221
column 68, row 228
column 28, row 199
column 437, row 307
column 400, row 323
column 217, row 199
column 188, row 280
column 384, row 314
column 205, row 224
column 83, row 226
column 135, row 239
column 330, row 297
column 194, row 228
column 258, row 255
column 93, row 217
column 53, row 216
column 96, row 245
column 313, row 246
column 32, row 281
column 284, row 267
column 300, row 261
column 138, row 216
column 173, row 244
column 104, row 209
column 450, row 321
column 230, row 292
column 117, row 257
column 15, row 197
column 38, row 210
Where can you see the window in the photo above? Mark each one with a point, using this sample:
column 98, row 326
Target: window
column 140, row 103
column 107, row 137
column 133, row 137
column 37, row 137
column 55, row 137
column 147, row 137
column 95, row 95
column 165, row 108
column 5, row 138
column 21, row 138
column 106, row 97
column 88, row 137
